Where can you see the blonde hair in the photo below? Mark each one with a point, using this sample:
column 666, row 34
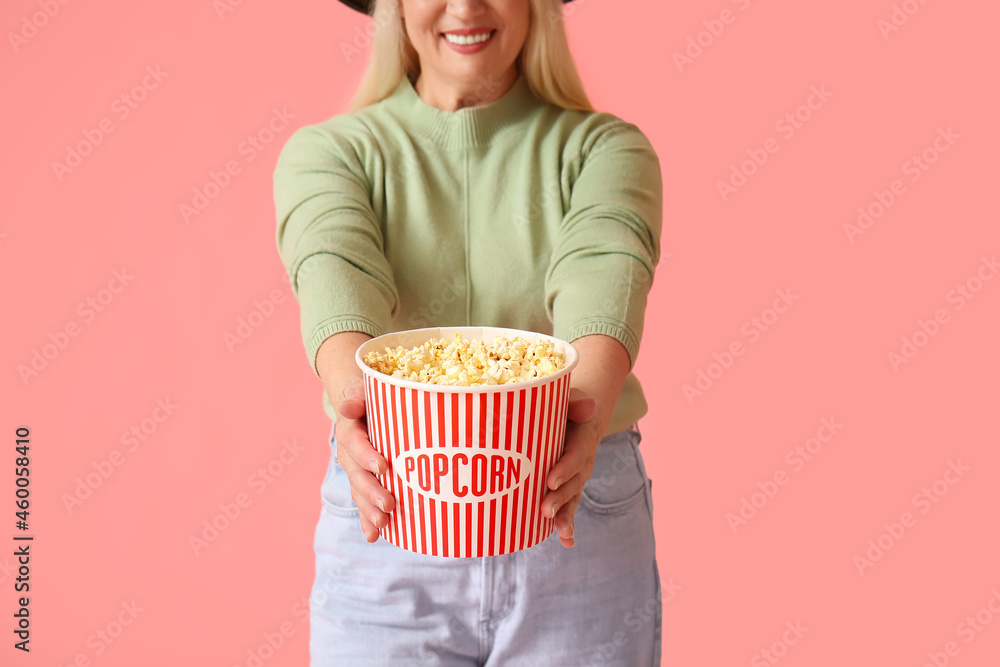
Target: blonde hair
column 545, row 60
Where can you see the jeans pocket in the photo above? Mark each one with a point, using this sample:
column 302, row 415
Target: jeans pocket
column 336, row 491
column 618, row 481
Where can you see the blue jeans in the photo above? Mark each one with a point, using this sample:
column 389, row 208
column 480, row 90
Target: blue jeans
column 595, row 604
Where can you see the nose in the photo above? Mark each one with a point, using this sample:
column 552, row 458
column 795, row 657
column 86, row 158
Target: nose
column 466, row 9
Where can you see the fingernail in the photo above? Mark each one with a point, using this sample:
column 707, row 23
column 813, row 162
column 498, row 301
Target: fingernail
column 381, row 504
column 373, row 466
column 375, row 520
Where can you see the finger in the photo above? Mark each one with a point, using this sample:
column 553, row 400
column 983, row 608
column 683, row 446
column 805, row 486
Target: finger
column 358, row 458
column 354, row 389
column 576, row 459
column 351, row 408
column 355, row 450
column 371, row 498
column 581, row 407
column 370, row 531
column 565, row 522
column 555, row 500
column 369, row 495
column 352, row 403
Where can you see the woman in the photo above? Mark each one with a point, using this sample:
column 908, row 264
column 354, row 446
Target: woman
column 473, row 184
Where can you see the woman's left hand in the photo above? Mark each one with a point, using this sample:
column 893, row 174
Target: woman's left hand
column 571, row 472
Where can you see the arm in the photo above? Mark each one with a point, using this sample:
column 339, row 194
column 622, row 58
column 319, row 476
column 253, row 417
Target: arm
column 594, row 387
column 330, row 241
column 604, row 364
column 336, row 367
column 596, row 288
column 343, row 381
column 608, row 246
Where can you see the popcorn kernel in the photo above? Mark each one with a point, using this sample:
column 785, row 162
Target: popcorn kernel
column 463, row 362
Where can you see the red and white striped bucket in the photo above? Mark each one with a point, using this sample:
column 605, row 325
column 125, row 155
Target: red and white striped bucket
column 467, row 465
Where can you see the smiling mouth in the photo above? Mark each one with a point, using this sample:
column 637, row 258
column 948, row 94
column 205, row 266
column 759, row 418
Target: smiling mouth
column 468, row 40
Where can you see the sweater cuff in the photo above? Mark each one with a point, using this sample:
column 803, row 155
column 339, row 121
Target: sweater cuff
column 336, row 325
column 607, row 327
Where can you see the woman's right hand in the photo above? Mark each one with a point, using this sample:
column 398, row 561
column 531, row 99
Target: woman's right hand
column 342, row 378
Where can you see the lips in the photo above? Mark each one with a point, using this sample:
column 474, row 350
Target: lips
column 466, row 32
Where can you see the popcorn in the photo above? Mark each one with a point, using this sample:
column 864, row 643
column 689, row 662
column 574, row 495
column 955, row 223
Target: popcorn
column 466, row 363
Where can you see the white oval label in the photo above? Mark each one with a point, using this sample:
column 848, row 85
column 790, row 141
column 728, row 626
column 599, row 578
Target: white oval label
column 462, row 474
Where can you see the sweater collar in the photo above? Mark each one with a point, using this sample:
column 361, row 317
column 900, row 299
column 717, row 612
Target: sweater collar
column 471, row 126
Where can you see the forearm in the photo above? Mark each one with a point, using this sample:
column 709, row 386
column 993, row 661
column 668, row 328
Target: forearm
column 604, row 365
column 335, row 363
column 354, row 453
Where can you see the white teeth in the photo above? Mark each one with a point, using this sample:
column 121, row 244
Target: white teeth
column 466, row 40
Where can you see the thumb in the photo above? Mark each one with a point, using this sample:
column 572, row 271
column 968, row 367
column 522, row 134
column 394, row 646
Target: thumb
column 354, row 390
column 581, row 406
column 352, row 404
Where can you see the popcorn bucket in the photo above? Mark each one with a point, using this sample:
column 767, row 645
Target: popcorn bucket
column 467, row 465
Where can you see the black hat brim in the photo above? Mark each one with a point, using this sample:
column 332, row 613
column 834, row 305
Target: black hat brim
column 363, row 6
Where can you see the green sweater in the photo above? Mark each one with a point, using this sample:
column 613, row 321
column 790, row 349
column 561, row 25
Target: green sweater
column 515, row 214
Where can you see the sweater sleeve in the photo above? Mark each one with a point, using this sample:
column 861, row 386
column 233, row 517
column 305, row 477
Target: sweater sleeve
column 608, row 245
column 329, row 238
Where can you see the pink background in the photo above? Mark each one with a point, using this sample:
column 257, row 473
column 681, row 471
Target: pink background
column 163, row 335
